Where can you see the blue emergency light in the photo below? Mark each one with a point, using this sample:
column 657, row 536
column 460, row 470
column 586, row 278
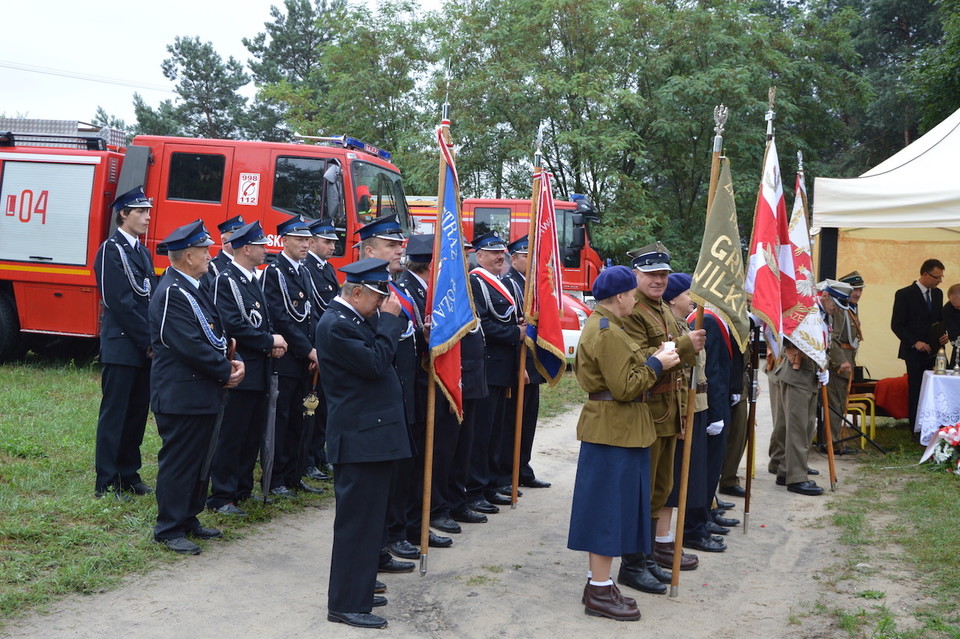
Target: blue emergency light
column 348, row 142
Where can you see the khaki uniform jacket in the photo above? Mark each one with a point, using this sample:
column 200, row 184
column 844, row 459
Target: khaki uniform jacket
column 650, row 324
column 844, row 325
column 796, row 369
column 608, row 360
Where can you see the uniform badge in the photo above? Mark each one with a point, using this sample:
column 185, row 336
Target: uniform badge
column 301, row 294
column 296, row 303
column 256, row 304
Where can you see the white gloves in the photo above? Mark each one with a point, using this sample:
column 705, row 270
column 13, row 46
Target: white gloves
column 734, row 399
column 824, row 377
column 715, row 428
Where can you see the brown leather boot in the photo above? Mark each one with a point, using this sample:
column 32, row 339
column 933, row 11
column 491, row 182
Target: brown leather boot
column 606, row 601
column 663, row 555
column 630, row 601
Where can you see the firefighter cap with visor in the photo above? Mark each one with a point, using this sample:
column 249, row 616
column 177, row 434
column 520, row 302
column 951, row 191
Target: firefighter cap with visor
column 371, row 272
column 135, row 198
column 184, row 237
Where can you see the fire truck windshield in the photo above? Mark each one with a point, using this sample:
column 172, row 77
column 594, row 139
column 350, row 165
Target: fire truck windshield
column 378, row 192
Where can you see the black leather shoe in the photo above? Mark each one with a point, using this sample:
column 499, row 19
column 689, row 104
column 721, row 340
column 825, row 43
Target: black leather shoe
column 379, row 586
column 111, row 492
column 734, row 491
column 180, row 545
column 658, row 573
column 484, row 506
column 813, row 471
column 315, row 473
column 634, row 574
column 467, row 516
column 403, row 548
column 445, row 524
column 497, row 498
column 714, row 529
column 717, row 538
column 508, row 491
column 138, row 488
column 705, row 544
column 808, row 487
column 725, row 505
column 201, row 532
column 725, row 521
column 304, row 486
column 396, row 566
column 436, row 541
column 535, row 483
column 229, row 509
column 379, row 601
column 282, row 491
column 781, row 480
column 357, row 619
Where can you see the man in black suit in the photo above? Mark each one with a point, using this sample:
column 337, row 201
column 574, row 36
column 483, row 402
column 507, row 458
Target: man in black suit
column 916, row 309
column 190, row 372
column 366, row 434
column 243, row 313
column 126, row 279
column 288, row 291
column 516, row 280
column 322, row 246
column 503, row 329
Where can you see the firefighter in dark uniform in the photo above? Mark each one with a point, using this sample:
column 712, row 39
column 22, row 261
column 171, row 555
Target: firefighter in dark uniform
column 243, row 313
column 126, row 279
column 190, row 372
column 651, row 324
column 322, row 246
column 222, row 260
column 516, row 280
column 288, row 290
column 503, row 328
column 366, row 433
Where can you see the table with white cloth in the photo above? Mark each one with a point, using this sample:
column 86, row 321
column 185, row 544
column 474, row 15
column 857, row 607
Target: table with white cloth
column 939, row 404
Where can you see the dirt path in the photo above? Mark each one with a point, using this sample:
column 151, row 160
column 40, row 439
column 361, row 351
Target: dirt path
column 510, row 577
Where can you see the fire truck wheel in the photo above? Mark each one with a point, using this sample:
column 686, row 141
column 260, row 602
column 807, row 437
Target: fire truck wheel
column 10, row 346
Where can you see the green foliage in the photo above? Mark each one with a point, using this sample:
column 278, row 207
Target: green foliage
column 936, row 74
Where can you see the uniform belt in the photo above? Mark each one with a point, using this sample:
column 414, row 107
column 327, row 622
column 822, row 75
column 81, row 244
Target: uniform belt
column 848, row 347
column 702, row 387
column 667, row 386
column 606, row 396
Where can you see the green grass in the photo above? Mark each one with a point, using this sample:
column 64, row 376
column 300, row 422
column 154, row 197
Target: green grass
column 55, row 538
column 555, row 400
column 902, row 517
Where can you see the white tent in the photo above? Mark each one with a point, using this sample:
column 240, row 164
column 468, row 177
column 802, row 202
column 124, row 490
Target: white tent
column 899, row 213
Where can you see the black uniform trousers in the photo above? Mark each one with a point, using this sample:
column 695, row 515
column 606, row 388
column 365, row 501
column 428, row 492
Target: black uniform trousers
column 528, row 428
column 231, row 473
column 357, row 534
column 316, row 450
column 289, row 432
column 455, row 491
column 120, row 427
column 917, row 363
column 699, row 498
column 446, row 432
column 484, row 459
column 180, row 492
column 716, row 451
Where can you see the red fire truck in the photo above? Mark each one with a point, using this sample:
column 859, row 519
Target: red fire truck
column 59, row 178
column 511, row 219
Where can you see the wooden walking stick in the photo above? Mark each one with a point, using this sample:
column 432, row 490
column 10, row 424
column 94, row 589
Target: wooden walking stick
column 828, row 436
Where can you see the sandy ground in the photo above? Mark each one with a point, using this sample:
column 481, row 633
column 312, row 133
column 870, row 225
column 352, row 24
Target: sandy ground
column 511, row 577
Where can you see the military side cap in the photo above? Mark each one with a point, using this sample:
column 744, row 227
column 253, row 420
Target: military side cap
column 650, row 258
column 228, row 226
column 132, row 199
column 521, row 245
column 251, row 233
column 854, row 279
column 296, row 226
column 616, row 279
column 371, row 272
column 184, row 237
column 324, row 229
column 420, row 247
column 386, row 227
column 489, row 241
column 677, row 283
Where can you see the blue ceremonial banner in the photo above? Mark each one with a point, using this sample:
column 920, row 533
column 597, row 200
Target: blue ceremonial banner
column 451, row 304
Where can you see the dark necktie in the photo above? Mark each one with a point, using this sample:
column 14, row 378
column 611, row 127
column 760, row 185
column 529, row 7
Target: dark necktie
column 929, row 303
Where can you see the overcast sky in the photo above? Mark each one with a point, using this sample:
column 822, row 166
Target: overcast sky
column 60, row 59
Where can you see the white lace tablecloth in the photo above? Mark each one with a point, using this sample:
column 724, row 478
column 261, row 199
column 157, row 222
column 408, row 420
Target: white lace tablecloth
column 939, row 404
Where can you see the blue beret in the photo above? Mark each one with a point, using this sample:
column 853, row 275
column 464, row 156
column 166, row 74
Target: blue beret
column 186, row 236
column 676, row 283
column 616, row 279
column 251, row 233
column 132, row 199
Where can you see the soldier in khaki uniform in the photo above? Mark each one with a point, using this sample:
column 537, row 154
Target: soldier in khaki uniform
column 844, row 341
column 651, row 324
column 611, row 498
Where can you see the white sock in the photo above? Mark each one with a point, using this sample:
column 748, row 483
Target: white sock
column 608, row 582
column 666, row 539
column 589, row 574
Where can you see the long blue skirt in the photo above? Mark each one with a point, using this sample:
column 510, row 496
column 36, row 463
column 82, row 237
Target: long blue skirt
column 611, row 501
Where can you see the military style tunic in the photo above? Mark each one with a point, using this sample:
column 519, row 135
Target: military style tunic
column 844, row 342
